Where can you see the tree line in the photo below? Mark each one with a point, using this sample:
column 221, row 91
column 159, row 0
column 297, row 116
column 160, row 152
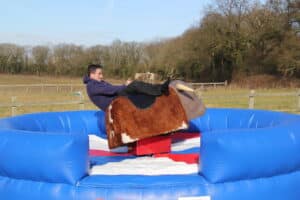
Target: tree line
column 234, row 38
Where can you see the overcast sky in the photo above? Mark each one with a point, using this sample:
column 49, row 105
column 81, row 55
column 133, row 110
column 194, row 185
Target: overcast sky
column 91, row 22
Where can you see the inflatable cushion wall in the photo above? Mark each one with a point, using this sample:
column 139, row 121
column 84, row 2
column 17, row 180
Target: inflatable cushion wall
column 242, row 144
column 245, row 154
column 83, row 122
column 50, row 147
column 49, row 157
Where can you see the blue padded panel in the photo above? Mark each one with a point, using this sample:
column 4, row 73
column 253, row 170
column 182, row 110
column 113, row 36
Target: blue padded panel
column 234, row 150
column 245, row 154
column 17, row 189
column 84, row 122
column 49, row 157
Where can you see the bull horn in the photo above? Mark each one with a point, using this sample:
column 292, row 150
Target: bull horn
column 180, row 86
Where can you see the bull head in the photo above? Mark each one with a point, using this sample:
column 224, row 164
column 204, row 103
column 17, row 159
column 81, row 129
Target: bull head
column 192, row 105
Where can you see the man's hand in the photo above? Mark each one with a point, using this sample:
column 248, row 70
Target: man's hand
column 128, row 81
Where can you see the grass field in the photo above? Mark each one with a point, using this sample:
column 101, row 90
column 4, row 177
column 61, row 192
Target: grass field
column 233, row 97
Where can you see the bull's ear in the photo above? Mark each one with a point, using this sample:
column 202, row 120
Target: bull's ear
column 180, row 86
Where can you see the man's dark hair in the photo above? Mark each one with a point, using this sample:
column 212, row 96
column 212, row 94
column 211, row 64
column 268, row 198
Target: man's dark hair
column 92, row 68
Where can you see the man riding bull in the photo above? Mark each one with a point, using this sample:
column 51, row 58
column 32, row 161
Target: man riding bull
column 139, row 110
column 102, row 93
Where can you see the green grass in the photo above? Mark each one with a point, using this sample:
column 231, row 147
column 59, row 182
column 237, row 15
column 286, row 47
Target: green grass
column 213, row 97
column 239, row 98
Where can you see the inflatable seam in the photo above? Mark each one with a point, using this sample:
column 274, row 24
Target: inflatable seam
column 140, row 186
column 253, row 179
column 22, row 179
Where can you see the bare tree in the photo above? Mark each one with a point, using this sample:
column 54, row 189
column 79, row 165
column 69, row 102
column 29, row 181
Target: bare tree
column 40, row 57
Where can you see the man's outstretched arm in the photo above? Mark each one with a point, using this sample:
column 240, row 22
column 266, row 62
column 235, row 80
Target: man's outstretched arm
column 105, row 89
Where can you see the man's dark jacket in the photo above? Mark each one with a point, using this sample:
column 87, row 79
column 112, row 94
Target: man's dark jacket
column 101, row 93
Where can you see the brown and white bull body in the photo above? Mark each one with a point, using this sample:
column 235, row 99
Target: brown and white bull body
column 127, row 123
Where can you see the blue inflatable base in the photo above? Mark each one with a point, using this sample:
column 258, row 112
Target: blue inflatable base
column 244, row 154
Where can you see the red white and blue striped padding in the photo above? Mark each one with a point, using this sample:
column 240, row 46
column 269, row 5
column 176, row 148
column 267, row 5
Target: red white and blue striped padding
column 183, row 158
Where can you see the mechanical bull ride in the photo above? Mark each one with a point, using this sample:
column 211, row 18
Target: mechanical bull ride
column 133, row 118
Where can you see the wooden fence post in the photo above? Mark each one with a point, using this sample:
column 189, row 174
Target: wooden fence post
column 13, row 106
column 81, row 101
column 199, row 94
column 202, row 87
column 251, row 99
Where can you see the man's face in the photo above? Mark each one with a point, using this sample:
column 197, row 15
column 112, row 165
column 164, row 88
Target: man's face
column 97, row 75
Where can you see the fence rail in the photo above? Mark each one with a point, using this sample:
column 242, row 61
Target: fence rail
column 211, row 84
column 253, row 95
column 38, row 85
column 26, row 87
column 82, row 101
column 42, row 87
column 14, row 104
